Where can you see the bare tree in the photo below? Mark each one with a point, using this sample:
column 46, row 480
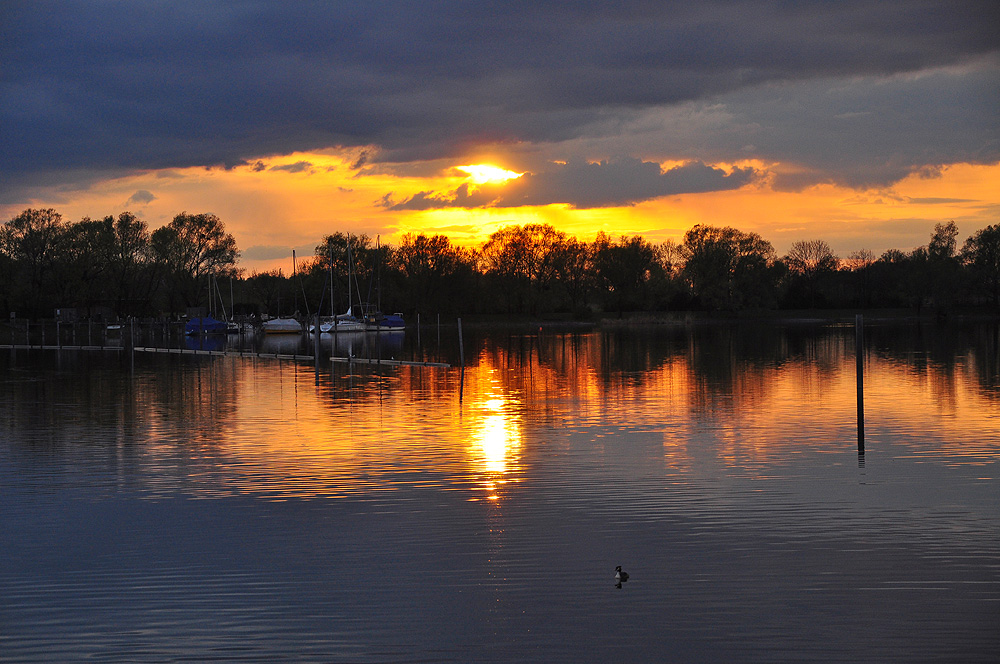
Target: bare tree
column 810, row 257
column 809, row 262
column 860, row 264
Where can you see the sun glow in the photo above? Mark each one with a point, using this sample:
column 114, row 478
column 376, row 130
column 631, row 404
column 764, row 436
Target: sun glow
column 484, row 173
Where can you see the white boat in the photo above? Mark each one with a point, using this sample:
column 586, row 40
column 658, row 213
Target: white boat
column 338, row 327
column 283, row 326
column 342, row 323
column 346, row 322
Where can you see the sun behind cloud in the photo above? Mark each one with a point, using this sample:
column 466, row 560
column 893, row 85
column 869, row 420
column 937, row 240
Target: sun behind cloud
column 486, row 173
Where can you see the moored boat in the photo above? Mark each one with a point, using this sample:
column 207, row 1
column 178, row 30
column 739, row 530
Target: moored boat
column 339, row 323
column 386, row 322
column 282, row 326
column 205, row 325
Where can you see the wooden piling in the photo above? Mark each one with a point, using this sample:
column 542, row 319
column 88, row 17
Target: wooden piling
column 316, row 346
column 461, row 359
column 859, row 352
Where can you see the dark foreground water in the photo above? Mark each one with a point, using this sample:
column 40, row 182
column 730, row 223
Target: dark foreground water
column 188, row 509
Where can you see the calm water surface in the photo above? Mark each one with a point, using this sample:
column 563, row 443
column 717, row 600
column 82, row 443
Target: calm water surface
column 175, row 508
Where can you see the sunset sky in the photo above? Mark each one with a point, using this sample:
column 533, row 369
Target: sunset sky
column 860, row 123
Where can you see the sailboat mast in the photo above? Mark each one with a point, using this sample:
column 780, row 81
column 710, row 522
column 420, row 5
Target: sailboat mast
column 350, row 270
column 293, row 282
column 222, row 302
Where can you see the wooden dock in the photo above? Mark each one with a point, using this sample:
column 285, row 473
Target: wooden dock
column 233, row 353
column 51, row 347
column 391, row 363
column 223, row 353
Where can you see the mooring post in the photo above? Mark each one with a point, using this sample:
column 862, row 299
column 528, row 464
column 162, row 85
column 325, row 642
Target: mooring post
column 859, row 352
column 316, row 347
column 461, row 359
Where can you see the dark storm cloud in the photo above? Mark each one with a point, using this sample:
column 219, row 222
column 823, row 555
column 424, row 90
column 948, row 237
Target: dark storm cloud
column 586, row 185
column 94, row 86
column 297, row 167
column 856, row 132
column 140, row 197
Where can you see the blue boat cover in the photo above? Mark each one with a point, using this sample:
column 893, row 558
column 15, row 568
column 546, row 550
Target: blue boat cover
column 206, row 325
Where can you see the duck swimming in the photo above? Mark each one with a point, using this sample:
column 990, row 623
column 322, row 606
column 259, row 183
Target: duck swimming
column 620, row 575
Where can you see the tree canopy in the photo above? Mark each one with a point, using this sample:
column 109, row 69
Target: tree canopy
column 116, row 263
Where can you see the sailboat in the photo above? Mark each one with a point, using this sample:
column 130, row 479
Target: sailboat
column 210, row 324
column 284, row 325
column 377, row 321
column 345, row 322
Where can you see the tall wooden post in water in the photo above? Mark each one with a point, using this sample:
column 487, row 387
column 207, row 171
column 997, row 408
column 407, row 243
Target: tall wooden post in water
column 461, row 359
column 316, row 346
column 859, row 352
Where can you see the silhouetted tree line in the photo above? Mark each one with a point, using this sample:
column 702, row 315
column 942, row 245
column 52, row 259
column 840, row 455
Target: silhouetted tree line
column 118, row 265
column 110, row 264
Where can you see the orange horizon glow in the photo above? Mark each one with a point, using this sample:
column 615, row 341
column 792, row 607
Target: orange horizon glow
column 281, row 203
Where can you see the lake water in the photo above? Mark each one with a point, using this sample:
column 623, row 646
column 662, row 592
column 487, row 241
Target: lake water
column 169, row 508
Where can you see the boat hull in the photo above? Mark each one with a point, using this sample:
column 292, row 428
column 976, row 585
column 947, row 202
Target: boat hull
column 283, row 326
column 386, row 323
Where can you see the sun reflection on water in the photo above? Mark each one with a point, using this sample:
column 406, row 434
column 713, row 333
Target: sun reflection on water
column 497, row 436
